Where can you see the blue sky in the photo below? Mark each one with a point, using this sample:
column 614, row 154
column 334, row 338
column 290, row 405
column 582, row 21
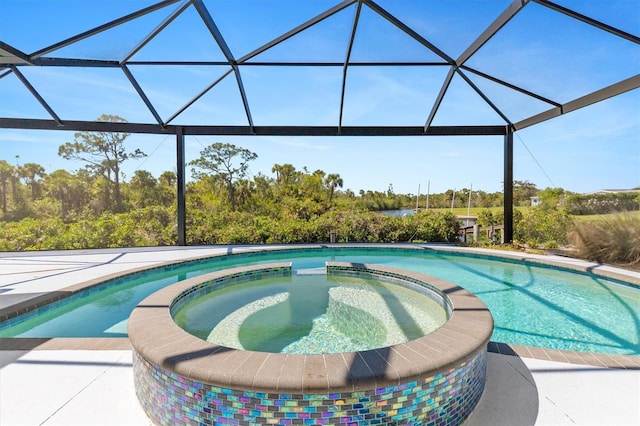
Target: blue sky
column 542, row 51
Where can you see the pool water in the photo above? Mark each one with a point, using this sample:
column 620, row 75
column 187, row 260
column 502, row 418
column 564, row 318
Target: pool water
column 531, row 305
column 310, row 314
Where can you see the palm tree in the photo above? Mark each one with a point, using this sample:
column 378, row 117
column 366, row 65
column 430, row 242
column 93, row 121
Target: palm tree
column 332, row 181
column 244, row 191
column 284, row 173
column 59, row 183
column 167, row 178
column 31, row 173
column 6, row 171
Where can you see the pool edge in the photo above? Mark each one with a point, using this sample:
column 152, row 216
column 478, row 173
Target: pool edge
column 583, row 358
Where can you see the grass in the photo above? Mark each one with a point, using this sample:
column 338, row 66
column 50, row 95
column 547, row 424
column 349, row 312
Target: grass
column 613, row 238
column 592, row 217
column 605, row 238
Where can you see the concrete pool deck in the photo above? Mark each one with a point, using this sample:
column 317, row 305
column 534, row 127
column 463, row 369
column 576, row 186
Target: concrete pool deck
column 90, row 381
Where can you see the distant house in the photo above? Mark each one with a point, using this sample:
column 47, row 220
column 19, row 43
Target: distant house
column 535, row 201
column 467, row 220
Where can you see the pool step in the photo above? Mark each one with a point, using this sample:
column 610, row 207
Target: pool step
column 311, row 271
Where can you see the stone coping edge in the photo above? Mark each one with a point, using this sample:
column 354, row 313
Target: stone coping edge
column 624, row 362
column 158, row 339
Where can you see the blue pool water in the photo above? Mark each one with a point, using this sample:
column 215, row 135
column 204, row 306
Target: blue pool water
column 531, row 305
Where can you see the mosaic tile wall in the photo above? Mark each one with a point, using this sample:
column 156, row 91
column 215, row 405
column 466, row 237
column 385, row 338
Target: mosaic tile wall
column 446, row 398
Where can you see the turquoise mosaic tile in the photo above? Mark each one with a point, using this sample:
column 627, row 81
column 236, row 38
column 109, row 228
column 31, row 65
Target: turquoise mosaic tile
column 446, row 398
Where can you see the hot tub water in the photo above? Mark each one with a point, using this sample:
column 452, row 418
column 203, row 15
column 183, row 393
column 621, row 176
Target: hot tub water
column 311, row 313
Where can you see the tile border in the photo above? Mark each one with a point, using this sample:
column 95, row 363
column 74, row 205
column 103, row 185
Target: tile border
column 624, row 362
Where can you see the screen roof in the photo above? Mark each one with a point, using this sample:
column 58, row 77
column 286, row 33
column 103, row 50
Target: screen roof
column 313, row 67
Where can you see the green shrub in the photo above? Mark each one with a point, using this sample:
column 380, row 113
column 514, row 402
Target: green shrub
column 30, row 234
column 348, row 225
column 542, row 227
column 486, row 217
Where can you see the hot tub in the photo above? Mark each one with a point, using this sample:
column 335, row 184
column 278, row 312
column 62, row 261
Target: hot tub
column 437, row 378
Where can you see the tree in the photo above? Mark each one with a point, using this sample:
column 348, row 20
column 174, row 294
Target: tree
column 285, row 173
column 6, row 171
column 523, row 190
column 31, row 173
column 168, row 189
column 390, row 192
column 551, row 197
column 167, row 178
column 244, row 189
column 487, row 218
column 451, row 199
column 225, row 160
column 10, row 175
column 332, row 181
column 144, row 188
column 104, row 152
column 312, row 186
column 286, row 178
column 70, row 190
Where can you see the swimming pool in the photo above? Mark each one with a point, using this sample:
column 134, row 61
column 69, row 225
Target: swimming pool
column 532, row 304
